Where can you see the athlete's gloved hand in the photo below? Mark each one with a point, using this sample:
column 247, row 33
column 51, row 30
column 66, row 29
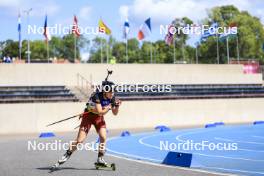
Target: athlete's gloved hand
column 117, row 102
column 108, row 107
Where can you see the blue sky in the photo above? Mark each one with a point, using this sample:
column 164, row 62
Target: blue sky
column 113, row 13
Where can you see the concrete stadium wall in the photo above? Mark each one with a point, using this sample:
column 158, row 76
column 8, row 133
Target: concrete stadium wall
column 32, row 118
column 65, row 74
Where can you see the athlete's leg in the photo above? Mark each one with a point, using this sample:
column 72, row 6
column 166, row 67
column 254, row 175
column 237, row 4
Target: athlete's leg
column 80, row 138
column 73, row 146
column 102, row 136
column 83, row 131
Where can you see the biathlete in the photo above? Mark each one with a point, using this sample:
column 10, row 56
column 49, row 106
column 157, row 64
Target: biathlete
column 99, row 104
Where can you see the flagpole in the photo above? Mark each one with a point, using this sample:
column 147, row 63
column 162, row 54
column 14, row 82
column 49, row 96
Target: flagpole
column 126, row 52
column 19, row 52
column 101, row 45
column 19, row 35
column 151, row 52
column 183, row 57
column 28, row 42
column 174, row 51
column 238, row 59
column 75, row 41
column 126, row 31
column 217, row 45
column 227, row 50
column 48, row 50
column 107, row 54
column 196, row 54
column 154, row 54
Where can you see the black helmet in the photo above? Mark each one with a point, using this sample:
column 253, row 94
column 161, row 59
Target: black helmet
column 108, row 86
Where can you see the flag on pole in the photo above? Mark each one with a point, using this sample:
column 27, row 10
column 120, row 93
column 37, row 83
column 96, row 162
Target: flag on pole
column 169, row 36
column 75, row 28
column 231, row 33
column 19, row 31
column 126, row 29
column 46, row 31
column 210, row 32
column 125, row 35
column 145, row 29
column 103, row 28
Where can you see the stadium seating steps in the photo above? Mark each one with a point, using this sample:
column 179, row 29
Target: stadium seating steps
column 203, row 91
column 34, row 94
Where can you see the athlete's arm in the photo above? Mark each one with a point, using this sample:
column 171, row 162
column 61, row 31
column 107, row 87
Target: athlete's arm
column 115, row 108
column 100, row 110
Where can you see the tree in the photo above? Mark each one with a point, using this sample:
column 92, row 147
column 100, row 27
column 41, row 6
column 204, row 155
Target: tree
column 38, row 50
column 164, row 52
column 250, row 35
column 133, row 50
column 119, row 52
column 64, row 47
column 145, row 54
column 97, row 50
column 181, row 38
column 10, row 48
column 58, row 47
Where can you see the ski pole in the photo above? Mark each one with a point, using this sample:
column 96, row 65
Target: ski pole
column 66, row 119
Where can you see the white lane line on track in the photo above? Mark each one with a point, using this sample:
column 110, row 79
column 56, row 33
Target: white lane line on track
column 235, row 170
column 134, row 156
column 238, row 141
column 163, row 165
column 250, row 150
column 261, row 137
column 178, row 137
column 146, row 144
column 156, row 164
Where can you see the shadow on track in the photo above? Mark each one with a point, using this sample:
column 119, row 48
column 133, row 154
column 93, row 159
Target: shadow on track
column 68, row 168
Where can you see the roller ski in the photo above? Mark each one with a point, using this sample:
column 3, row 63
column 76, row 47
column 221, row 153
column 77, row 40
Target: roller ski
column 102, row 164
column 64, row 158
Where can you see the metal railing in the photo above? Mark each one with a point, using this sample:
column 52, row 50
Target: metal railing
column 84, row 86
